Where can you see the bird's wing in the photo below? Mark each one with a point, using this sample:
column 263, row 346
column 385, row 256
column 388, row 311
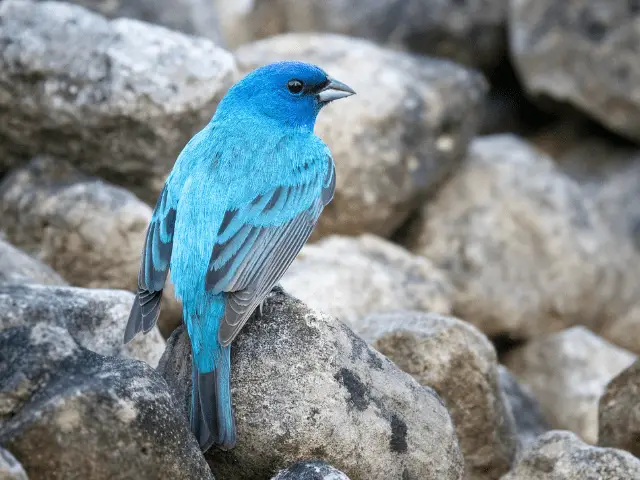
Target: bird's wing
column 251, row 255
column 154, row 266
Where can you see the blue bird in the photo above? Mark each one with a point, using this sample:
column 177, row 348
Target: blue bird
column 241, row 201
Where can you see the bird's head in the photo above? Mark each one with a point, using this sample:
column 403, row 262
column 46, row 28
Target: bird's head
column 291, row 93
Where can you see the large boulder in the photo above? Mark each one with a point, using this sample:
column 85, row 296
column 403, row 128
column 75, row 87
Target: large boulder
column 471, row 32
column 117, row 98
column 460, row 364
column 195, row 17
column 95, row 318
column 351, row 277
column 310, row 470
column 66, row 412
column 526, row 251
column 404, row 132
column 10, row 468
column 305, row 386
column 568, row 372
column 89, row 231
column 560, row 455
column 619, row 412
column 529, row 421
column 18, row 267
column 583, row 52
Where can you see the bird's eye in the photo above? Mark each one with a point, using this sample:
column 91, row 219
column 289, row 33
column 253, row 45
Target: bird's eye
column 295, row 86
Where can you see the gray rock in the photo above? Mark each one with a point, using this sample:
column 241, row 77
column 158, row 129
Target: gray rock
column 559, row 455
column 310, row 470
column 525, row 408
column 68, row 413
column 471, row 32
column 460, row 364
column 304, row 386
column 397, row 140
column 568, row 372
column 582, row 52
column 624, row 331
column 195, row 17
column 118, row 98
column 351, row 277
column 89, row 231
column 95, row 318
column 18, row 267
column 525, row 249
column 10, row 468
column 619, row 412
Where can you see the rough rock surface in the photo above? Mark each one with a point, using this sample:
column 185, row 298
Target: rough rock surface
column 18, row 267
column 525, row 408
column 460, row 364
column 619, row 413
column 568, row 372
column 560, row 455
column 471, row 32
column 95, row 318
column 609, row 173
column 118, row 98
column 310, row 470
column 583, row 52
column 404, row 132
column 527, row 253
column 304, row 386
column 10, row 468
column 195, row 17
column 351, row 277
column 625, row 330
column 68, row 413
column 89, row 231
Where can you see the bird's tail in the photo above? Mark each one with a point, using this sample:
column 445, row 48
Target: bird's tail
column 212, row 419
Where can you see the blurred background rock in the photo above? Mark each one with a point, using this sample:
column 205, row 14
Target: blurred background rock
column 484, row 236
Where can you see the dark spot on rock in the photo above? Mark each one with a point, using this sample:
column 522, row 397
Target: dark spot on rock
column 373, row 360
column 593, row 28
column 405, row 474
column 398, row 442
column 358, row 391
column 634, row 6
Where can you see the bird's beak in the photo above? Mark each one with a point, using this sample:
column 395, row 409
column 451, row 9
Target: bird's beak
column 334, row 90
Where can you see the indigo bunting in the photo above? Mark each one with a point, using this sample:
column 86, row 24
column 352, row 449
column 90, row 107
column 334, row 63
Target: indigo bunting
column 242, row 199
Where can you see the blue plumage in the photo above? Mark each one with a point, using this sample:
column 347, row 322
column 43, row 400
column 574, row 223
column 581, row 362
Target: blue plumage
column 240, row 202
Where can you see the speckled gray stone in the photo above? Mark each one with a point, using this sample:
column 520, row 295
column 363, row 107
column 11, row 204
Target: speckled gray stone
column 405, row 131
column 118, row 98
column 95, row 318
column 305, row 386
column 584, row 52
column 68, row 413
column 560, row 455
column 471, row 31
column 310, row 470
column 18, row 267
column 351, row 277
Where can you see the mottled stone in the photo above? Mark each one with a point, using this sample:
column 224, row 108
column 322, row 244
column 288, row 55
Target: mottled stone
column 310, row 470
column 405, row 131
column 69, row 413
column 352, row 277
column 95, row 318
column 527, row 252
column 619, row 412
column 471, row 32
column 568, row 372
column 118, row 99
column 584, row 52
column 304, row 386
column 625, row 330
column 195, row 17
column 18, row 267
column 560, row 455
column 10, row 468
column 460, row 364
column 525, row 408
column 89, row 231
